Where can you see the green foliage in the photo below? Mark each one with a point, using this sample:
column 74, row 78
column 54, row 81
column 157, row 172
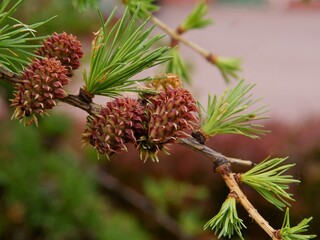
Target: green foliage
column 50, row 195
column 267, row 179
column 16, row 38
column 226, row 222
column 196, row 18
column 69, row 19
column 174, row 191
column 177, row 196
column 295, row 233
column 191, row 220
column 228, row 67
column 124, row 226
column 144, row 7
column 56, row 125
column 227, row 115
column 120, row 52
column 177, row 65
column 84, row 4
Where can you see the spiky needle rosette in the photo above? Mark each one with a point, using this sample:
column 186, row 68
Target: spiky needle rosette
column 41, row 84
column 65, row 47
column 121, row 50
column 119, row 122
column 170, row 114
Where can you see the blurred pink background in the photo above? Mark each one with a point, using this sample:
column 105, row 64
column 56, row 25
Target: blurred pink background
column 278, row 41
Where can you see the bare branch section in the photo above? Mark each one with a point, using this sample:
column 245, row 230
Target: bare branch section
column 177, row 37
column 241, row 162
column 8, row 76
column 216, row 157
column 228, row 67
column 76, row 101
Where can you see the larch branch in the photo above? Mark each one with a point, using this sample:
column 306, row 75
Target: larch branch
column 232, row 184
column 221, row 162
column 222, row 166
column 177, row 37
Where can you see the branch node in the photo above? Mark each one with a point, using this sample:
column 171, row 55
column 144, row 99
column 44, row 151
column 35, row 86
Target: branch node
column 222, row 166
column 85, row 96
column 277, row 234
column 237, row 177
column 234, row 195
column 197, row 135
column 211, row 58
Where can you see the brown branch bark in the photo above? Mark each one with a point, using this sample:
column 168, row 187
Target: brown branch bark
column 8, row 76
column 75, row 100
column 216, row 157
column 176, row 37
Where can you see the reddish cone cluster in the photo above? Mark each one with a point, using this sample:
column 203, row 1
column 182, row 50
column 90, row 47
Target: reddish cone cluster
column 118, row 123
column 42, row 81
column 65, row 47
column 41, row 85
column 150, row 123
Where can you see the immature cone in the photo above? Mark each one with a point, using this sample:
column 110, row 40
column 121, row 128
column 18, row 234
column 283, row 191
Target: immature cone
column 65, row 47
column 171, row 113
column 41, row 84
column 164, row 82
column 119, row 122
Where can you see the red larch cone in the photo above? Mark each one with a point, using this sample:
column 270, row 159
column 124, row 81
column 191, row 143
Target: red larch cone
column 119, row 122
column 171, row 114
column 41, row 84
column 65, row 47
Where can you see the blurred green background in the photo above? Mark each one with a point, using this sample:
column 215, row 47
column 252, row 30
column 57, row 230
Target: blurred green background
column 50, row 188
